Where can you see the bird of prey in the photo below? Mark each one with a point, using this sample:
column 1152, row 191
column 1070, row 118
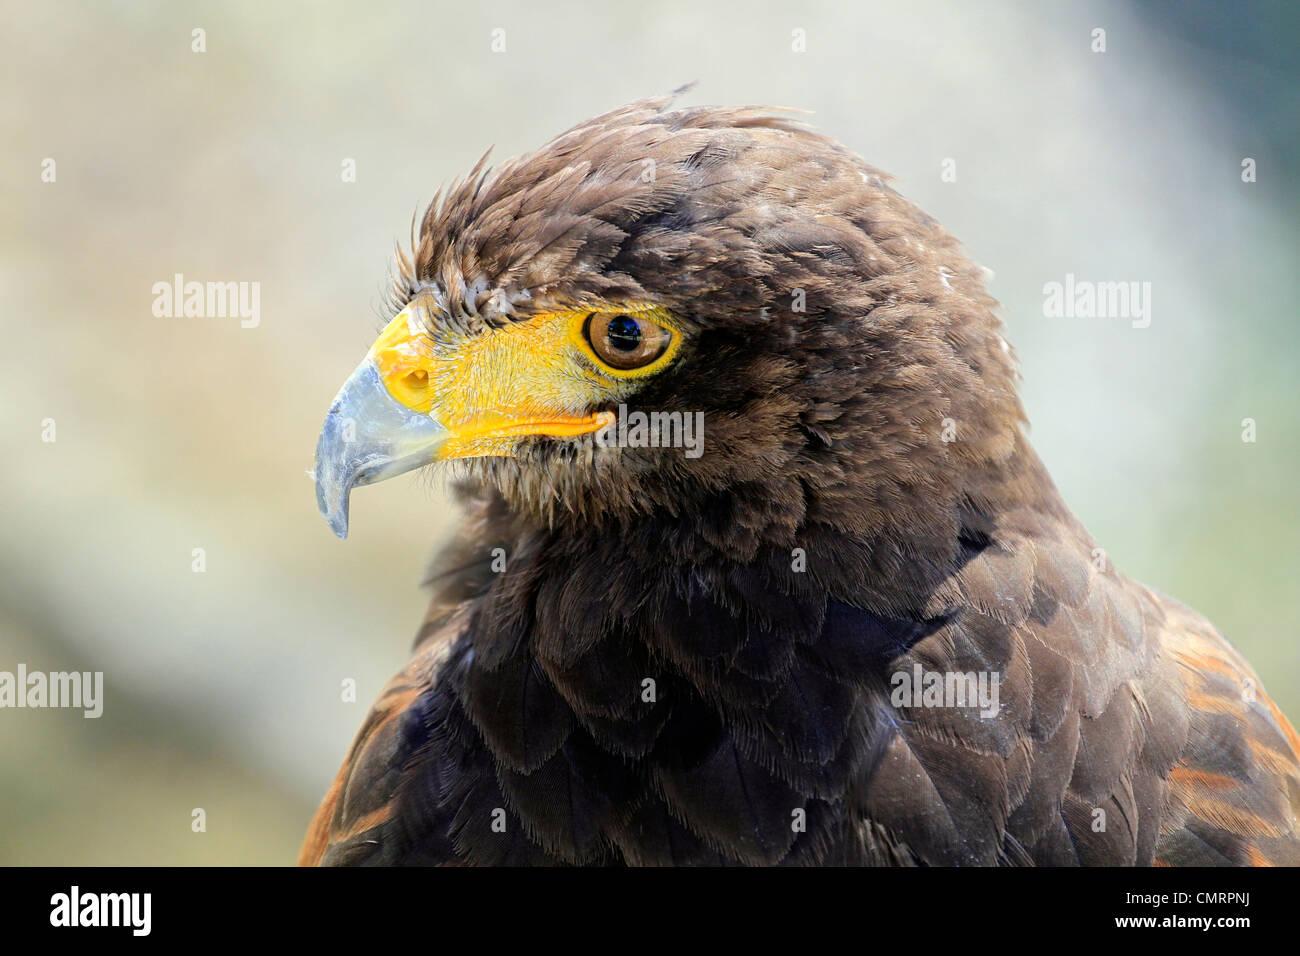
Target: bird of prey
column 819, row 604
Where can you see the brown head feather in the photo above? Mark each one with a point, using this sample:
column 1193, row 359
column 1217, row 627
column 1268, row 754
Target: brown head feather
column 841, row 329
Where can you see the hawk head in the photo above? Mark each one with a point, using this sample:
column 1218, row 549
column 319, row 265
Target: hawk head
column 723, row 268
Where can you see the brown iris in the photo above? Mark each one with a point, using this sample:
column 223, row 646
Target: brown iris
column 625, row 341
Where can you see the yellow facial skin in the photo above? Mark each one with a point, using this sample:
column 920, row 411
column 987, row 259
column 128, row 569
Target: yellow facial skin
column 427, row 393
column 534, row 377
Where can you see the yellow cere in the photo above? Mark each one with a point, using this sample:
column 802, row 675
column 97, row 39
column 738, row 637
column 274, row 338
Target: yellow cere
column 535, row 377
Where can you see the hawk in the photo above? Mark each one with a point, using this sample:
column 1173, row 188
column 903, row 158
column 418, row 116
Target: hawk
column 820, row 603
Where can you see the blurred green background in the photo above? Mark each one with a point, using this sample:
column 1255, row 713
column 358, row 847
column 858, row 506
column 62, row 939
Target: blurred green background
column 223, row 688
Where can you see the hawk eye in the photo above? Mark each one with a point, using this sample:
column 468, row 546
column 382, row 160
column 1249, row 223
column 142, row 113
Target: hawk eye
column 624, row 341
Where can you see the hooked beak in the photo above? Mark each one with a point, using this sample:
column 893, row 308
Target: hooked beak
column 417, row 399
column 368, row 436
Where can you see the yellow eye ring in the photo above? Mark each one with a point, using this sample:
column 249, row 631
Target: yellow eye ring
column 626, row 343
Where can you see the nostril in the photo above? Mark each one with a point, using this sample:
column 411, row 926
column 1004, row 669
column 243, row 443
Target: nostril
column 417, row 379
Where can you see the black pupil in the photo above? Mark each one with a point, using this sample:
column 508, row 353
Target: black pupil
column 624, row 333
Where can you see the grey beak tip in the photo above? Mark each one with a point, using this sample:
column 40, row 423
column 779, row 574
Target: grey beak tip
column 338, row 520
column 334, row 511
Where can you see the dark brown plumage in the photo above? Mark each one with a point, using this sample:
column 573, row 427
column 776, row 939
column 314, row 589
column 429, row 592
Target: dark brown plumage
column 840, row 335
